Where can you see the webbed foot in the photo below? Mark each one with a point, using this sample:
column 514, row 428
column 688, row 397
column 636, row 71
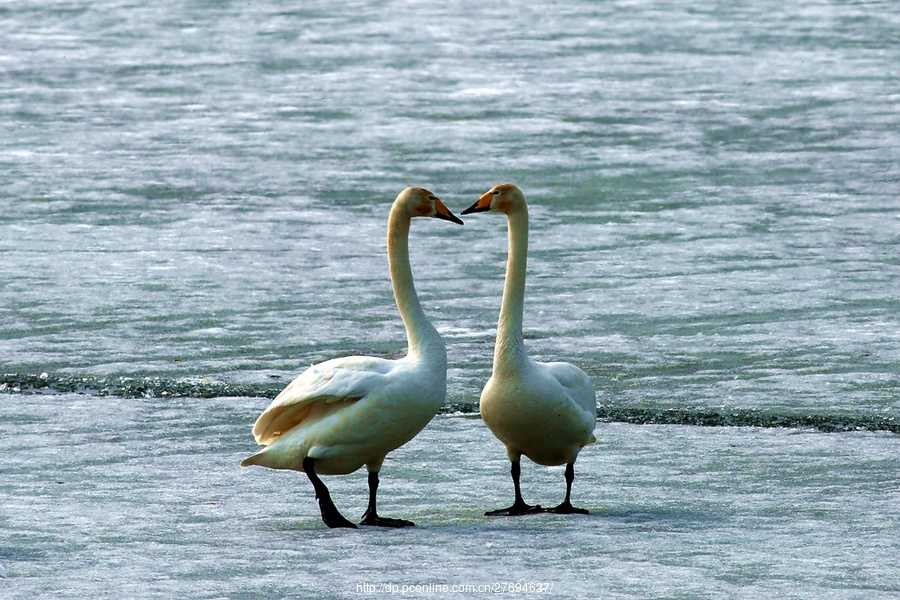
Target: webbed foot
column 517, row 509
column 374, row 520
column 566, row 508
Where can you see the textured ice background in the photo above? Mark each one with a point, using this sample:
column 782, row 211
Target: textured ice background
column 144, row 498
column 196, row 193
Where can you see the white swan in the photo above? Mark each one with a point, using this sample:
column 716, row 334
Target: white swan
column 546, row 411
column 347, row 412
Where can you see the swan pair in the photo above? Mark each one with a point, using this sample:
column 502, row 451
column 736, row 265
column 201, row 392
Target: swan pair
column 348, row 412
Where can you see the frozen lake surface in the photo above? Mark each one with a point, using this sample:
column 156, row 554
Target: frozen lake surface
column 193, row 199
column 111, row 498
column 199, row 192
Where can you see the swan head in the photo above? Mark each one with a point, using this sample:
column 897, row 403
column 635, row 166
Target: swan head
column 419, row 202
column 502, row 198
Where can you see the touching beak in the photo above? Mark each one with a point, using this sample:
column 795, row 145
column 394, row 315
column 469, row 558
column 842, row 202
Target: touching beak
column 442, row 212
column 483, row 204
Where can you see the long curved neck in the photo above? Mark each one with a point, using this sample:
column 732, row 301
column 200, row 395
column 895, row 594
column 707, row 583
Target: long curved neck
column 510, row 348
column 424, row 340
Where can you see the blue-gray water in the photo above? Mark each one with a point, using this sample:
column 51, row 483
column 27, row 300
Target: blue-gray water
column 193, row 200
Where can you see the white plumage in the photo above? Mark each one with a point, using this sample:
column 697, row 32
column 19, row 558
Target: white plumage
column 349, row 412
column 546, row 411
column 344, row 413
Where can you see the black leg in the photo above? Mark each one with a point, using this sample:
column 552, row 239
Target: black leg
column 519, row 507
column 330, row 514
column 370, row 517
column 566, row 507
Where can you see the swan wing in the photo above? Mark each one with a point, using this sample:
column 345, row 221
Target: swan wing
column 345, row 379
column 577, row 384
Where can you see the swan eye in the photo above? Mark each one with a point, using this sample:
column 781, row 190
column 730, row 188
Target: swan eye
column 496, row 192
column 432, row 198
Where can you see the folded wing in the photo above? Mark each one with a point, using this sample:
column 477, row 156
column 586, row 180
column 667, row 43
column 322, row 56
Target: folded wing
column 579, row 388
column 347, row 379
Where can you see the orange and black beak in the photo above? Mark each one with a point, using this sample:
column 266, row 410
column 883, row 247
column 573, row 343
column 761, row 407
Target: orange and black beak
column 482, row 205
column 442, row 212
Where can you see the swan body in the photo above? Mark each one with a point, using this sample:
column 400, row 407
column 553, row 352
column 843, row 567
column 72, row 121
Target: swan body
column 319, row 415
column 347, row 412
column 545, row 411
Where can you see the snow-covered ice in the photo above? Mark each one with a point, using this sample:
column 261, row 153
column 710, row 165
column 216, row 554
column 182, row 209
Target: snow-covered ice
column 144, row 498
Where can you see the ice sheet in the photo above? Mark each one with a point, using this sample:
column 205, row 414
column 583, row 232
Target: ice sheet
column 144, row 498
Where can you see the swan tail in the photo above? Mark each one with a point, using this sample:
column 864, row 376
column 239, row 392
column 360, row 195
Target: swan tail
column 274, row 460
column 264, row 458
column 252, row 460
